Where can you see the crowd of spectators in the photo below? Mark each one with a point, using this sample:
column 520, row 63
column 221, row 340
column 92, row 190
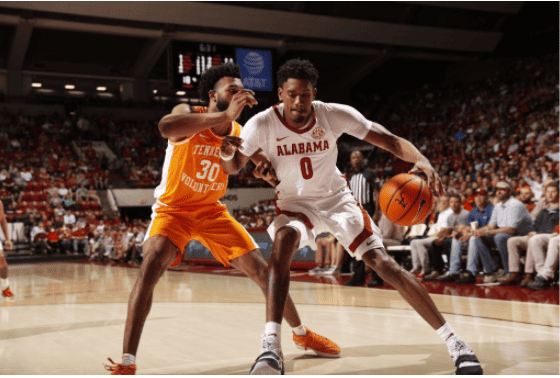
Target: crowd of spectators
column 504, row 128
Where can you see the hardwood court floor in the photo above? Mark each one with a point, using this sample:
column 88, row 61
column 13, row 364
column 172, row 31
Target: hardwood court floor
column 67, row 318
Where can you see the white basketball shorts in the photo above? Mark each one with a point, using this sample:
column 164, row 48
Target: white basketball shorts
column 339, row 214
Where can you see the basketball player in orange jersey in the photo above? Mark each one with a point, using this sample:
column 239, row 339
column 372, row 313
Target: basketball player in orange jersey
column 4, row 283
column 188, row 208
column 299, row 138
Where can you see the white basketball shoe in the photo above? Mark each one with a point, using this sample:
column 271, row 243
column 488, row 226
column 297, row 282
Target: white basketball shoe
column 271, row 360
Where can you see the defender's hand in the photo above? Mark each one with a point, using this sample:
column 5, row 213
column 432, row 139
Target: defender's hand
column 230, row 144
column 9, row 245
column 245, row 97
column 434, row 181
column 265, row 171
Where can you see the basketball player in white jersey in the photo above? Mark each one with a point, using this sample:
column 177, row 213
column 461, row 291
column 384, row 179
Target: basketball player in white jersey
column 299, row 139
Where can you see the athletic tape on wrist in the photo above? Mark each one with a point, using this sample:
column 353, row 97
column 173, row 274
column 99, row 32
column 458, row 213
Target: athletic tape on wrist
column 226, row 158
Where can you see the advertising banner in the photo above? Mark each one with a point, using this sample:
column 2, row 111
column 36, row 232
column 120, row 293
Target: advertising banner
column 256, row 69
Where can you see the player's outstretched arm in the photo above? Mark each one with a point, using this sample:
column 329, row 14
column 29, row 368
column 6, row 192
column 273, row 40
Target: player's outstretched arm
column 182, row 123
column 381, row 137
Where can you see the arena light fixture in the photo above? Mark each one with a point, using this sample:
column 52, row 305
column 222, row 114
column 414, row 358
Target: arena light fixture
column 155, row 91
column 36, row 85
column 101, row 89
column 69, row 86
column 181, row 93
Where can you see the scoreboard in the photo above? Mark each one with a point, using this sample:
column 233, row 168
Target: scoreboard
column 191, row 59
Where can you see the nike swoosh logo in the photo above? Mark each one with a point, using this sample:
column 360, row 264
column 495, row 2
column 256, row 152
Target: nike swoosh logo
column 371, row 242
column 279, row 139
column 422, row 204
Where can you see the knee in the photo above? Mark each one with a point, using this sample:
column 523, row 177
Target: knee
column 287, row 235
column 152, row 268
column 385, row 265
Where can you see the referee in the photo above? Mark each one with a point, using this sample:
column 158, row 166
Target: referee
column 362, row 183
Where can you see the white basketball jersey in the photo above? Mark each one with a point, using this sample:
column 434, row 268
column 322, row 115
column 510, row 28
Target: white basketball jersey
column 304, row 159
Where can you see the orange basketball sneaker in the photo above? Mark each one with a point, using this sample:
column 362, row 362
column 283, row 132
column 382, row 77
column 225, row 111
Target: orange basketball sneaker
column 7, row 293
column 319, row 344
column 120, row 369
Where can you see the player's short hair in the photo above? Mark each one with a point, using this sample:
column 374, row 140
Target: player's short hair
column 212, row 75
column 297, row 69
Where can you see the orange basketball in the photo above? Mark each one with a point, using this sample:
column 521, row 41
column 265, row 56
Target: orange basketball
column 406, row 199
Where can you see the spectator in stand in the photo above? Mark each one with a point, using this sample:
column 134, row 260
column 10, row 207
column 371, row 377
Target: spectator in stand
column 38, row 237
column 81, row 193
column 534, row 242
column 419, row 247
column 392, row 234
column 535, row 180
column 324, row 253
column 53, row 240
column 69, row 218
column 59, row 210
column 26, row 174
column 62, row 191
column 526, row 196
column 66, row 243
column 58, row 222
column 509, row 218
column 80, row 238
column 546, row 273
column 478, row 217
column 449, row 232
column 68, row 202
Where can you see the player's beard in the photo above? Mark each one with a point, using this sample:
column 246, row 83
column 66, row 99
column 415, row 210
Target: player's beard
column 222, row 105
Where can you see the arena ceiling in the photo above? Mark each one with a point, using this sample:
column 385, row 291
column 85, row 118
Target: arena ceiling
column 351, row 43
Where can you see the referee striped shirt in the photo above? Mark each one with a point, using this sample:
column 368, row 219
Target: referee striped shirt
column 362, row 184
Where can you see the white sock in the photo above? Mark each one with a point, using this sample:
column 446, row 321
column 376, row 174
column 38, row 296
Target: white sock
column 4, row 283
column 446, row 332
column 300, row 331
column 272, row 328
column 128, row 359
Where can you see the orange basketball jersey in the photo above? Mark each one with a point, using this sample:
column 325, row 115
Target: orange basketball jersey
column 192, row 174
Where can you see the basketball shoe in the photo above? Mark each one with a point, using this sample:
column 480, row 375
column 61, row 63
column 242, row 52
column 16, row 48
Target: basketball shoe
column 464, row 358
column 120, row 369
column 319, row 344
column 7, row 293
column 271, row 359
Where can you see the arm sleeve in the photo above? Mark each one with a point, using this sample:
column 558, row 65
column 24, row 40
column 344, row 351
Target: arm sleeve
column 346, row 119
column 251, row 135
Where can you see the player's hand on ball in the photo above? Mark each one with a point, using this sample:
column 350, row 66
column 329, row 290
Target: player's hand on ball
column 434, row 181
column 230, row 144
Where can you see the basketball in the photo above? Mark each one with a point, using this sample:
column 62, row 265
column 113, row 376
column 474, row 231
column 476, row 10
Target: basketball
column 406, row 199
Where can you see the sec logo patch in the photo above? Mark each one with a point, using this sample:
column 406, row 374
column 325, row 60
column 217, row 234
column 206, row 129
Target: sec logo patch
column 318, row 133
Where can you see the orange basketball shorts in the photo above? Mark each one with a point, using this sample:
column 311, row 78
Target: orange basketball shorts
column 211, row 225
